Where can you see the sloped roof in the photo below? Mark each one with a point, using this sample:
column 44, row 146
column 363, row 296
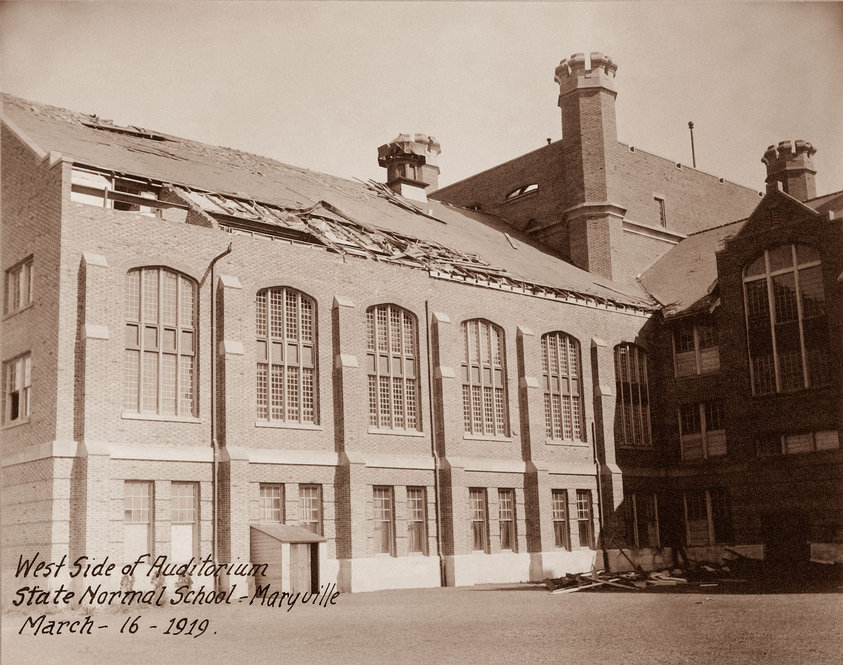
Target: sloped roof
column 828, row 203
column 135, row 151
column 287, row 533
column 682, row 279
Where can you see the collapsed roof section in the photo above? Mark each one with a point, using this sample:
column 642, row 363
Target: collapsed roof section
column 139, row 170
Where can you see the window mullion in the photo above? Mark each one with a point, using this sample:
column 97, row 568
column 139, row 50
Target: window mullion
column 703, row 430
column 640, row 406
column 177, row 306
column 635, row 533
column 300, row 352
column 772, row 307
column 656, row 518
column 141, row 338
column 709, row 518
column 160, row 390
column 697, row 350
column 687, row 523
column 799, row 314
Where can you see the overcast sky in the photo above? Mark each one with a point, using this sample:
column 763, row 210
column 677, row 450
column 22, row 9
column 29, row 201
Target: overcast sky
column 321, row 85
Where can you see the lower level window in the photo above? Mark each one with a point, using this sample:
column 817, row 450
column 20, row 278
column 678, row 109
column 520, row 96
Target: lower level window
column 642, row 519
column 561, row 529
column 310, row 507
column 794, row 444
column 383, row 516
column 506, row 516
column 137, row 519
column 479, row 519
column 416, row 520
column 707, row 518
column 184, row 512
column 17, row 382
column 585, row 519
column 272, row 502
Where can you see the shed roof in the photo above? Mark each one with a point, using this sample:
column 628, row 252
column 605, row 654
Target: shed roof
column 287, row 533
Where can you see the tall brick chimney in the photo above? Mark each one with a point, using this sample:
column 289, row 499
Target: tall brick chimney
column 412, row 165
column 591, row 224
column 792, row 165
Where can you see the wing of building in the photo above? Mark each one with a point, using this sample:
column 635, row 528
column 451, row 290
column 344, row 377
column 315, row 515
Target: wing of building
column 209, row 355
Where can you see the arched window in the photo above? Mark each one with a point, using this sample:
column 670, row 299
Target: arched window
column 632, row 397
column 786, row 320
column 563, row 412
column 484, row 379
column 285, row 321
column 392, row 363
column 160, row 342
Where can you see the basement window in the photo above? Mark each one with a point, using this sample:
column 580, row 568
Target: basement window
column 522, row 191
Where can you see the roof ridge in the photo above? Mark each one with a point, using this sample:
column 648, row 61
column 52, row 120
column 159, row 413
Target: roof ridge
column 713, row 228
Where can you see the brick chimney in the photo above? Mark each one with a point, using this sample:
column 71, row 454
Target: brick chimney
column 792, row 165
column 412, row 165
column 590, row 225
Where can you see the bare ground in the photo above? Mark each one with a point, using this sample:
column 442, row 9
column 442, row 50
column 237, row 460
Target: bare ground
column 519, row 623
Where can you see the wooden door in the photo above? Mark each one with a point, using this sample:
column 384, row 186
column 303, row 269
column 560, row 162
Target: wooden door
column 300, row 568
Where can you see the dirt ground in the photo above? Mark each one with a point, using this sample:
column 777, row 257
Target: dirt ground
column 517, row 623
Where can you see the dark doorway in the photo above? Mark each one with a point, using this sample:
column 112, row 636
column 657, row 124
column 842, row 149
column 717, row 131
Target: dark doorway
column 785, row 537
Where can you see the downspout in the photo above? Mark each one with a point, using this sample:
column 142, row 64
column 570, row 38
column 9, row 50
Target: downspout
column 214, row 441
column 436, row 462
column 599, row 499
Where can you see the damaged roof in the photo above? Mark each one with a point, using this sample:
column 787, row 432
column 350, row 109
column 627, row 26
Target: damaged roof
column 217, row 177
column 683, row 279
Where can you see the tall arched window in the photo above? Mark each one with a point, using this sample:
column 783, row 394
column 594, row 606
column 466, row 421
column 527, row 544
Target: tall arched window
column 285, row 321
column 562, row 387
column 160, row 342
column 392, row 364
column 484, row 379
column 632, row 397
column 786, row 320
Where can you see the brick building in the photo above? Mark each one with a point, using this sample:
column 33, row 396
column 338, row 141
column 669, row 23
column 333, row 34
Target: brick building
column 207, row 353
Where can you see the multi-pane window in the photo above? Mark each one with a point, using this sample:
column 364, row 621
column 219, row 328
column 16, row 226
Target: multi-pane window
column 392, row 358
column 585, row 522
column 416, row 520
column 160, row 342
column 310, row 507
column 137, row 519
column 786, row 320
column 563, row 413
column 383, row 519
column 506, row 518
column 702, row 432
column 479, row 519
column 18, row 287
column 272, row 502
column 561, row 528
column 286, row 356
column 642, row 519
column 484, row 379
column 632, row 397
column 695, row 349
column 17, row 385
column 794, row 444
column 184, row 510
column 707, row 519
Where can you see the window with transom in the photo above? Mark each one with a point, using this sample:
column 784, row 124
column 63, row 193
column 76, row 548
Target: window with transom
column 285, row 325
column 161, row 339
column 392, row 363
column 484, row 379
column 632, row 397
column 563, row 413
column 786, row 322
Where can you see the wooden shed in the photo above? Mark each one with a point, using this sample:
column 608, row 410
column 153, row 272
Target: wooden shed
column 292, row 555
